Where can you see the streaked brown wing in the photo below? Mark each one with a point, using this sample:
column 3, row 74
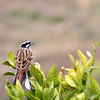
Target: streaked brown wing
column 23, row 59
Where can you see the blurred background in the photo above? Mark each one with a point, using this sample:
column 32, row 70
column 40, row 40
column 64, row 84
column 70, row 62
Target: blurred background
column 57, row 27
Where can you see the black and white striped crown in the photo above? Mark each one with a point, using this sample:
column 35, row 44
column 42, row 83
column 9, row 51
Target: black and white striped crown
column 26, row 44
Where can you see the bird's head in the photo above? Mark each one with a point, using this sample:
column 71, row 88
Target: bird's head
column 26, row 44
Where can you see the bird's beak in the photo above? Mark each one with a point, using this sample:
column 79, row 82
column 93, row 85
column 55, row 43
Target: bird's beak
column 31, row 43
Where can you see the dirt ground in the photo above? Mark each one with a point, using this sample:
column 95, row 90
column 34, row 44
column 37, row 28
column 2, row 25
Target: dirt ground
column 57, row 27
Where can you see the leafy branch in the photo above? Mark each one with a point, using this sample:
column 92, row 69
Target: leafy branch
column 77, row 84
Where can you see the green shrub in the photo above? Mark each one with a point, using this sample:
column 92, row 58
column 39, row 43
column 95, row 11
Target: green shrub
column 78, row 83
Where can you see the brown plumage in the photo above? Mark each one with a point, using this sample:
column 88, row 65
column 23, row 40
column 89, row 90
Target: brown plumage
column 23, row 58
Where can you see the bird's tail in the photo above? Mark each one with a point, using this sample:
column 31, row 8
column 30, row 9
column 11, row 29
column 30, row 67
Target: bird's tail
column 22, row 77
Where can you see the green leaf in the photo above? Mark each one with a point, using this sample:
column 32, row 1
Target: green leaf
column 19, row 90
column 37, row 74
column 7, row 82
column 32, row 91
column 56, row 94
column 95, row 97
column 70, row 95
column 33, row 82
column 30, row 96
column 45, row 95
column 37, row 65
column 51, row 91
column 87, row 76
column 95, row 47
column 48, row 93
column 75, row 79
column 94, row 86
column 38, row 92
column 79, row 63
column 80, row 72
column 51, row 94
column 51, row 86
column 80, row 96
column 82, row 57
column 61, row 92
column 11, row 97
column 6, row 63
column 87, row 96
column 52, row 76
column 59, row 78
column 72, row 60
column 70, row 81
column 29, row 73
column 89, row 63
column 11, row 59
column 11, row 87
column 64, row 84
column 8, row 73
column 74, row 98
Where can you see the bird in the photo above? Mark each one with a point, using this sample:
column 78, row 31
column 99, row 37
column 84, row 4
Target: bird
column 23, row 58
